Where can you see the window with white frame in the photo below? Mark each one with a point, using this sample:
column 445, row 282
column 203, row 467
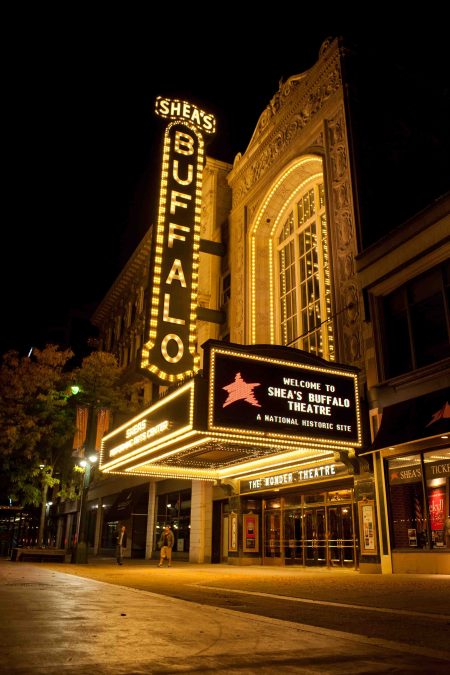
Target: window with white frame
column 304, row 275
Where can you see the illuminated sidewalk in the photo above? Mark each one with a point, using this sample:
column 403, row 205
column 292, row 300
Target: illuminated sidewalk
column 56, row 623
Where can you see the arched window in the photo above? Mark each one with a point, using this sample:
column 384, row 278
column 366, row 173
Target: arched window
column 304, row 275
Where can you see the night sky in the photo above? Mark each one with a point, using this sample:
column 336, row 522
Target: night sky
column 82, row 144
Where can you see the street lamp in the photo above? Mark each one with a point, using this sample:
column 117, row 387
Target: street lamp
column 80, row 550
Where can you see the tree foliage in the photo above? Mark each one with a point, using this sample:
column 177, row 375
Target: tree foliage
column 35, row 420
column 101, row 383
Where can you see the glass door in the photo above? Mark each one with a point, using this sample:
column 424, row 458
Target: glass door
column 341, row 551
column 348, row 544
column 272, row 535
column 315, row 537
column 293, row 537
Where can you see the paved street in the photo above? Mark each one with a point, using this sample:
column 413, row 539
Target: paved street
column 101, row 618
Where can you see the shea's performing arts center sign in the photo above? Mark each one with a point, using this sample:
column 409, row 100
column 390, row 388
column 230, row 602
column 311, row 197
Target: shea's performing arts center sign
column 252, row 408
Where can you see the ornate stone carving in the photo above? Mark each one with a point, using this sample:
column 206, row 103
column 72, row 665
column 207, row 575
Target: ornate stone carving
column 318, row 141
column 352, row 347
column 336, row 132
column 251, row 208
column 276, row 103
column 302, row 102
column 341, row 194
column 326, row 44
column 348, row 266
column 340, row 163
column 350, row 297
column 347, row 294
column 344, row 224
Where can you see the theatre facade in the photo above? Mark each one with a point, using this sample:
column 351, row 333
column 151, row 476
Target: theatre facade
column 244, row 307
column 269, row 434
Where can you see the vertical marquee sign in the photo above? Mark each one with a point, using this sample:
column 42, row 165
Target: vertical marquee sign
column 170, row 352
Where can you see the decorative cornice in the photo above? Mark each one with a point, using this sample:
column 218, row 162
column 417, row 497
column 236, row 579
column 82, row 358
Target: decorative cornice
column 130, row 275
column 279, row 101
column 282, row 121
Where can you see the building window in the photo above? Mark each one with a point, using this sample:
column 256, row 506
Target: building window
column 174, row 509
column 416, row 323
column 419, row 505
column 304, row 276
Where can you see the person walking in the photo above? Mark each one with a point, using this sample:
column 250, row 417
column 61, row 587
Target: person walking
column 165, row 543
column 121, row 544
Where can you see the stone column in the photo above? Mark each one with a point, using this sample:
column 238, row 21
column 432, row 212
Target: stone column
column 201, row 522
column 151, row 517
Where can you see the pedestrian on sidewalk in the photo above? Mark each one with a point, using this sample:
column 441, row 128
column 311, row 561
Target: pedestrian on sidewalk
column 165, row 543
column 121, row 544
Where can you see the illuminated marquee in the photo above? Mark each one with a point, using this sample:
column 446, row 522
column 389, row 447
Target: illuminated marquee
column 252, row 394
column 142, row 436
column 170, row 351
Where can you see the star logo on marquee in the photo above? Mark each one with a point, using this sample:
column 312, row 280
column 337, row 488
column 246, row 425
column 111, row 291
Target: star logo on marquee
column 241, row 391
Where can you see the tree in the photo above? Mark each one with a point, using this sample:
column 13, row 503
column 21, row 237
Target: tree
column 102, row 384
column 104, row 392
column 35, row 423
column 37, row 418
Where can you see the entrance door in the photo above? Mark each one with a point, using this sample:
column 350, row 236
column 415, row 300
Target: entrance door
column 272, row 536
column 315, row 536
column 293, row 537
column 340, row 541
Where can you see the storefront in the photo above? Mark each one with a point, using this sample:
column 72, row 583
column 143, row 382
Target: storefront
column 415, row 456
column 18, row 527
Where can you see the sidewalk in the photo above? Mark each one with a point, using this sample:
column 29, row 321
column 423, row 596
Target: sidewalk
column 430, row 593
column 57, row 619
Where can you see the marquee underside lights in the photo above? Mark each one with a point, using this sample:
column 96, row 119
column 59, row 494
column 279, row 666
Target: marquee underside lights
column 169, row 354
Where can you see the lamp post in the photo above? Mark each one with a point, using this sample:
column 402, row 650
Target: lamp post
column 80, row 551
column 47, row 523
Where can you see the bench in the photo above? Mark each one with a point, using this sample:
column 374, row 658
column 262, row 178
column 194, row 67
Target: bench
column 38, row 554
